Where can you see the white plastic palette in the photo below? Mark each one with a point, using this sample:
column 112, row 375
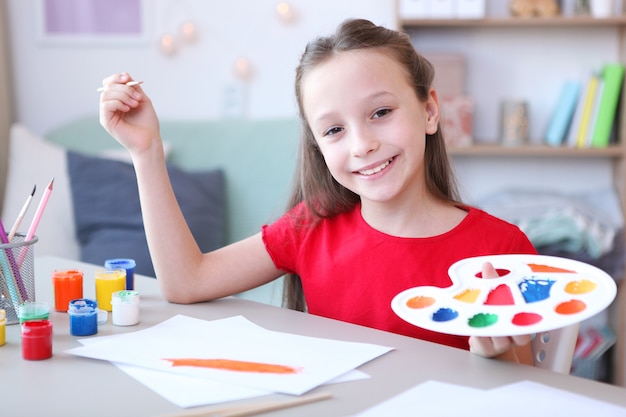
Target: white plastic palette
column 534, row 293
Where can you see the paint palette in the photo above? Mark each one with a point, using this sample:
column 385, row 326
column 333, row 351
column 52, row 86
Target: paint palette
column 533, row 293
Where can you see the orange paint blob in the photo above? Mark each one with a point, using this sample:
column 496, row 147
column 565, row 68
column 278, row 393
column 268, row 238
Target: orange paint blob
column 468, row 296
column 570, row 307
column 234, row 365
column 420, row 302
column 580, row 287
column 547, row 268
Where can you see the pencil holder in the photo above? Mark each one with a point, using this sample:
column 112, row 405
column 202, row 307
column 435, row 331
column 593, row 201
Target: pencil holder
column 17, row 275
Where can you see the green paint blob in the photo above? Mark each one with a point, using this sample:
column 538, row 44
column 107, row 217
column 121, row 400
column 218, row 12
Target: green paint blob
column 483, row 320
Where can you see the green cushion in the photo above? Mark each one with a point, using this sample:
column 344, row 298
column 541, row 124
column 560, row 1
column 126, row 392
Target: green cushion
column 256, row 156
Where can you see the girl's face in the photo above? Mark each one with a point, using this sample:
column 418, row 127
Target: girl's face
column 369, row 124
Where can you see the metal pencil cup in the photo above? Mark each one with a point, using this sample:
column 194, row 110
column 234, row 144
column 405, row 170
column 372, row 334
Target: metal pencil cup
column 17, row 275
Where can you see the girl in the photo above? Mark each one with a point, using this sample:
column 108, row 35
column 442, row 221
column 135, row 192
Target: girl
column 374, row 209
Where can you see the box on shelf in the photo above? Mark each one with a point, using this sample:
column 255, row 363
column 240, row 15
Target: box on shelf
column 470, row 9
column 412, row 9
column 450, row 70
column 457, row 113
column 441, row 9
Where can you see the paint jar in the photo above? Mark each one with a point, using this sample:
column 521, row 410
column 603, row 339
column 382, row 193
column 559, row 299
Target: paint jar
column 68, row 286
column 125, row 308
column 36, row 340
column 3, row 327
column 107, row 282
column 514, row 122
column 128, row 265
column 83, row 317
column 33, row 310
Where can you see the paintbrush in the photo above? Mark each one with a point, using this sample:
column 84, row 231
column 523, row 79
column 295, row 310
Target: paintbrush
column 253, row 408
column 129, row 84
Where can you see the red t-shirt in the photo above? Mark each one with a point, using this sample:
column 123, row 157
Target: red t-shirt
column 351, row 271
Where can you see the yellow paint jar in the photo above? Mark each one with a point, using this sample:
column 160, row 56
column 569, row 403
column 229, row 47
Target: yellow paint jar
column 109, row 281
column 3, row 327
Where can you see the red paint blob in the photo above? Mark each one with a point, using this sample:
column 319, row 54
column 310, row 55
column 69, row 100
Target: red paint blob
column 501, row 296
column 570, row 307
column 501, row 272
column 526, row 319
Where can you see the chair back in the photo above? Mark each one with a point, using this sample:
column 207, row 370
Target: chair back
column 554, row 350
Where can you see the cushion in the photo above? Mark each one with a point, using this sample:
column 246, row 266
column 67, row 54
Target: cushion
column 34, row 161
column 108, row 215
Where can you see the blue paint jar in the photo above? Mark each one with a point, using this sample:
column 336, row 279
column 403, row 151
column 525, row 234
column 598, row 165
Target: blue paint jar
column 124, row 263
column 83, row 314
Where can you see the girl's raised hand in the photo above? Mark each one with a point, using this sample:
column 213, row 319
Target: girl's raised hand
column 127, row 113
column 513, row 348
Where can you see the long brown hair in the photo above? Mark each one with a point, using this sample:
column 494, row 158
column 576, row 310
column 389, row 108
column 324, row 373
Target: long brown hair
column 313, row 183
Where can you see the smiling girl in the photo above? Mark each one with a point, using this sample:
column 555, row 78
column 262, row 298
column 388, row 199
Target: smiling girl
column 375, row 208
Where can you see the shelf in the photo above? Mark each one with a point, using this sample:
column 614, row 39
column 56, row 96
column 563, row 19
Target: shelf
column 516, row 21
column 613, row 151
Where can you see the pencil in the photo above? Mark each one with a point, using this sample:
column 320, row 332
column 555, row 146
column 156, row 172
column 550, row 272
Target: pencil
column 130, row 84
column 33, row 225
column 11, row 270
column 20, row 216
column 253, row 408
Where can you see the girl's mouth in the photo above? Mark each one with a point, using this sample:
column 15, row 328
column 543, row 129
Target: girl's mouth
column 377, row 169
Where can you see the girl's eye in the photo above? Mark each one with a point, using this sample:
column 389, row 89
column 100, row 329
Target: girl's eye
column 380, row 113
column 332, row 131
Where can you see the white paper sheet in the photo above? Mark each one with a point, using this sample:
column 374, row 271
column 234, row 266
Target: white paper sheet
column 318, row 360
column 185, row 391
column 522, row 399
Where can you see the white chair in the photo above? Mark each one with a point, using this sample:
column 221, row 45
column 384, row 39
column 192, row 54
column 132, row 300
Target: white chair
column 554, row 350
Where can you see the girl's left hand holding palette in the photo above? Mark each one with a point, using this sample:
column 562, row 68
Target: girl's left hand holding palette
column 534, row 293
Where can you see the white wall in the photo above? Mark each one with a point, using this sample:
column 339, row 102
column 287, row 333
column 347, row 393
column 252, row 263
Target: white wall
column 56, row 83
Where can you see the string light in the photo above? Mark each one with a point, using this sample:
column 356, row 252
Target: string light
column 168, row 45
column 285, row 12
column 189, row 32
column 243, row 68
column 177, row 26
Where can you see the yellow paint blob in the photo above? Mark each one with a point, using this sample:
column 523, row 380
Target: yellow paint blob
column 580, row 287
column 468, row 296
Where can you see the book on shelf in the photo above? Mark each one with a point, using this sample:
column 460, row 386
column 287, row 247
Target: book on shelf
column 595, row 111
column 587, row 111
column 563, row 113
column 586, row 94
column 612, row 76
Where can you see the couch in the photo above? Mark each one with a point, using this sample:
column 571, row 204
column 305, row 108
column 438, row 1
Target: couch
column 230, row 177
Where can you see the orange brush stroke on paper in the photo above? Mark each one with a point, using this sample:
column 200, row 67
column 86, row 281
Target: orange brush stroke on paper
column 233, row 365
column 547, row 268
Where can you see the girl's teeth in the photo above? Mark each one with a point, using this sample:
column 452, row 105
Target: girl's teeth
column 375, row 169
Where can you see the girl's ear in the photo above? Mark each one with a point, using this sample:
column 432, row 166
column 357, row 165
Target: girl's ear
column 432, row 112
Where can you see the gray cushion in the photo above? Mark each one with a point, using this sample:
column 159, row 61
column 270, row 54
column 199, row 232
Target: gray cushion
column 108, row 215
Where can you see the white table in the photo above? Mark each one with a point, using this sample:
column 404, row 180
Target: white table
column 67, row 385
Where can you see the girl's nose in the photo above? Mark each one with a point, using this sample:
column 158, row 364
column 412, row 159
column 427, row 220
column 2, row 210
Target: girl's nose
column 363, row 142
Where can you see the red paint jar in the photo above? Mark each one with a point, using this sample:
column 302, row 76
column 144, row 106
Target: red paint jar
column 36, row 340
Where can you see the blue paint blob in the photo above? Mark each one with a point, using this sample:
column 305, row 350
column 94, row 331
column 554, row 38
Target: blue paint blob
column 445, row 314
column 535, row 290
